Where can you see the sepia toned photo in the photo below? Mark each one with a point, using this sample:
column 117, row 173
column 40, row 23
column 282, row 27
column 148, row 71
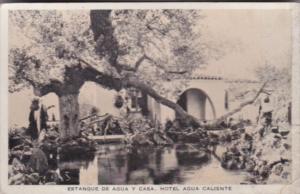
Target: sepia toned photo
column 150, row 97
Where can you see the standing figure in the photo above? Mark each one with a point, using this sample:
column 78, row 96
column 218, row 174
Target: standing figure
column 34, row 120
column 38, row 118
column 289, row 114
column 266, row 111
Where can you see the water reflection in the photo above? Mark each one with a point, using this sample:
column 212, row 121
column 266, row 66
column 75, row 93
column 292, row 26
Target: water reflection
column 116, row 164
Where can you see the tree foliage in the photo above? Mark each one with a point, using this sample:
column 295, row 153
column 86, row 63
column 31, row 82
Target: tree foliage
column 151, row 45
column 44, row 42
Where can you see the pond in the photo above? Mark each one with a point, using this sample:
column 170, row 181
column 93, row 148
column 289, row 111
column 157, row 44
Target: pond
column 179, row 164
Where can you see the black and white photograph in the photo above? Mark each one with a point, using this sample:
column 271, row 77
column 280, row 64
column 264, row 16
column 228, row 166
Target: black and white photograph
column 129, row 96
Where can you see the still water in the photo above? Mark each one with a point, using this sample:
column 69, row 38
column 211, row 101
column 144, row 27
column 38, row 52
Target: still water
column 179, row 164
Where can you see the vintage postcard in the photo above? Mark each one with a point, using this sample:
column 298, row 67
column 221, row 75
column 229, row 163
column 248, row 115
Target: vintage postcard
column 150, row 97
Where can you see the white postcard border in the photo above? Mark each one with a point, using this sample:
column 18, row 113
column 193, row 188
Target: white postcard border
column 239, row 189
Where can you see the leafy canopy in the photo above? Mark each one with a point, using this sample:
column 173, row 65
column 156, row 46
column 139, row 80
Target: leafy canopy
column 151, row 45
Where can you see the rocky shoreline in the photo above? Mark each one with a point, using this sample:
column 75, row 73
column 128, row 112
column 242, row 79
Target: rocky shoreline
column 266, row 159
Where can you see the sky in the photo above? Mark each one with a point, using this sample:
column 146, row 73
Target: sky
column 250, row 38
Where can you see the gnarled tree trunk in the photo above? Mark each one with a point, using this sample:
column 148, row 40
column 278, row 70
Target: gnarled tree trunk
column 67, row 92
column 69, row 115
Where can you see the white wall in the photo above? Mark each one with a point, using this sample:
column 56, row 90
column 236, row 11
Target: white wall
column 196, row 103
column 99, row 97
column 215, row 90
column 19, row 107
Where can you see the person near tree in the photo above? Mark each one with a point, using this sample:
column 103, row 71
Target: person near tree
column 38, row 118
column 34, row 121
column 265, row 115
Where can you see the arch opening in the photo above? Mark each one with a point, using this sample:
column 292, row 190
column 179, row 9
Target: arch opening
column 197, row 103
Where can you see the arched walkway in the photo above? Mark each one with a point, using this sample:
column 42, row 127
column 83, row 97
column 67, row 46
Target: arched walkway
column 197, row 103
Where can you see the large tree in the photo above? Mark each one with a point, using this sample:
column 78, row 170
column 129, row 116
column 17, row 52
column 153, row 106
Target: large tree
column 57, row 51
column 45, row 52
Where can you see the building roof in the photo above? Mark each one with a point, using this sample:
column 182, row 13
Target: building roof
column 242, row 81
column 218, row 77
column 206, row 77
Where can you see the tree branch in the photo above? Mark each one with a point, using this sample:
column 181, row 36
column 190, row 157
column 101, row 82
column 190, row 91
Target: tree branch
column 134, row 82
column 160, row 31
column 132, row 69
column 164, row 68
column 90, row 73
column 52, row 86
column 240, row 107
column 140, row 61
column 93, row 74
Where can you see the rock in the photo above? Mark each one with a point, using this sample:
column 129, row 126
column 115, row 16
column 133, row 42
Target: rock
column 278, row 169
column 168, row 140
column 49, row 148
column 213, row 139
column 32, row 179
column 248, row 137
column 17, row 179
column 287, row 146
column 250, row 165
column 284, row 133
column 264, row 171
column 258, row 151
column 52, row 134
column 286, row 175
column 26, row 156
column 276, row 143
column 233, row 158
column 18, row 147
column 38, row 161
column 140, row 177
column 72, row 143
column 275, row 129
column 51, row 177
column 83, row 141
column 15, row 141
column 51, row 183
column 158, row 140
column 17, row 166
column 231, row 164
column 16, row 154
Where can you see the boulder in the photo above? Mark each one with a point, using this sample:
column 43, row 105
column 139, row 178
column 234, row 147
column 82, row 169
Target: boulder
column 51, row 177
column 17, row 166
column 38, row 161
column 17, row 179
column 142, row 176
column 32, row 179
column 250, row 165
column 275, row 129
